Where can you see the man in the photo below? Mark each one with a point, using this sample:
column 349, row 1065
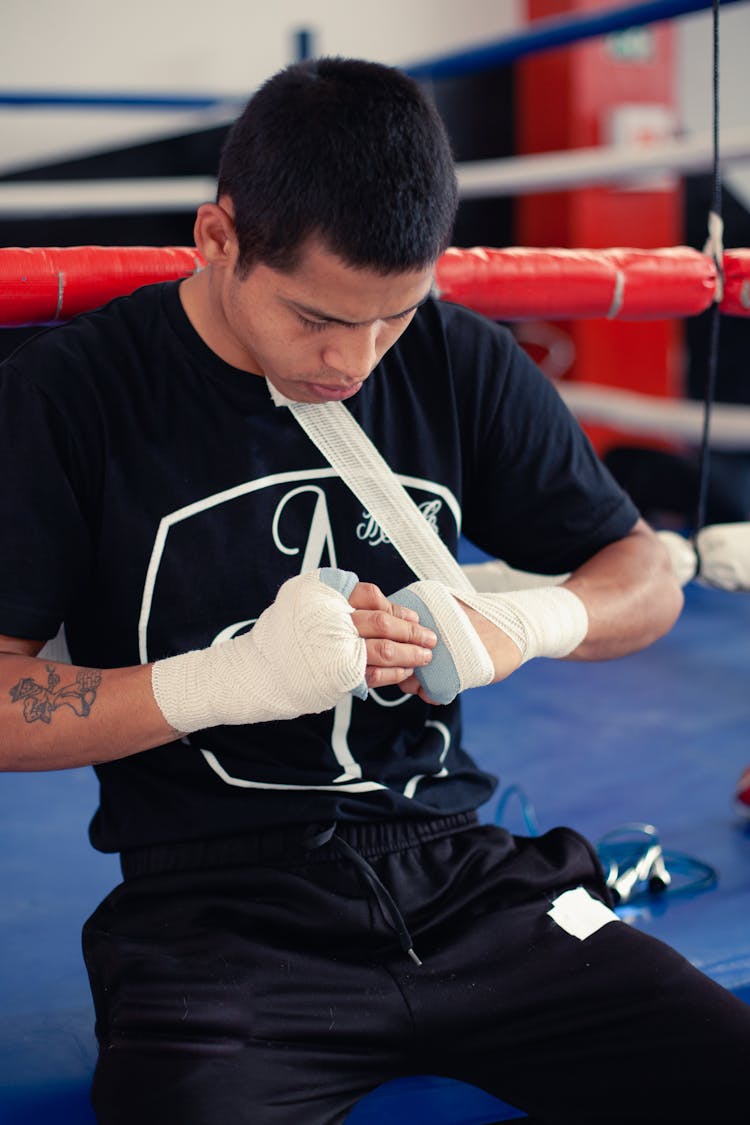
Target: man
column 309, row 906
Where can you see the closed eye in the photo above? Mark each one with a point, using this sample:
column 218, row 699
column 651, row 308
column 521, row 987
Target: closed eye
column 313, row 325
column 319, row 325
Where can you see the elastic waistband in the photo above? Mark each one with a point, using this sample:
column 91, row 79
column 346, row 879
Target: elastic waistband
column 285, row 846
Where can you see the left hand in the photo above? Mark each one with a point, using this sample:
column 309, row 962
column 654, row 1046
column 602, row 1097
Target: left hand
column 504, row 654
column 395, row 641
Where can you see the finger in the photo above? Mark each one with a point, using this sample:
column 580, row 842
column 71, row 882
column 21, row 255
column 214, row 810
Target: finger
column 368, row 596
column 379, row 623
column 392, row 654
column 403, row 612
column 376, row 677
column 412, row 686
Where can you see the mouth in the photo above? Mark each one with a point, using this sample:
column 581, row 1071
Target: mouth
column 325, row 393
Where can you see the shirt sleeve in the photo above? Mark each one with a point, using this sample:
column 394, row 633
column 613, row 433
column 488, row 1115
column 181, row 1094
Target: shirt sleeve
column 536, row 493
column 45, row 542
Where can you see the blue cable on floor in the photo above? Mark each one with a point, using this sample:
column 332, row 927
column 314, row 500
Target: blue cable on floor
column 635, row 864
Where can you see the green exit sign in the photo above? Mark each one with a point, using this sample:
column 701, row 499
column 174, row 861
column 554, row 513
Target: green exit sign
column 636, row 44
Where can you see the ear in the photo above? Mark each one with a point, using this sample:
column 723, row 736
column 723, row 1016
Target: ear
column 215, row 235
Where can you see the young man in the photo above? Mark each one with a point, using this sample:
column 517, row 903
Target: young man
column 309, row 905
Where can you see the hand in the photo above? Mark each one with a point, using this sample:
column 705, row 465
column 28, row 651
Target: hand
column 504, row 654
column 305, row 652
column 395, row 641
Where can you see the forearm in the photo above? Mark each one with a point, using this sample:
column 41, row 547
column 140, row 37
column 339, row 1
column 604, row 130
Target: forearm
column 621, row 600
column 631, row 594
column 306, row 652
column 58, row 716
column 629, row 591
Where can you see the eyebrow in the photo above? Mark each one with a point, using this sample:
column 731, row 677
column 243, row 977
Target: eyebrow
column 318, row 314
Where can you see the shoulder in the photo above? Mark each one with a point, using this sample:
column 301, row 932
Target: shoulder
column 471, row 347
column 82, row 349
column 459, row 326
column 485, row 361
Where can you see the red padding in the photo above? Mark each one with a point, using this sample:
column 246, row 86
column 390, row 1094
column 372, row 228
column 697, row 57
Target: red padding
column 42, row 285
column 522, row 284
column 736, row 300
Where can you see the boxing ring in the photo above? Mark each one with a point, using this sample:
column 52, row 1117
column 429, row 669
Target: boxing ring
column 656, row 738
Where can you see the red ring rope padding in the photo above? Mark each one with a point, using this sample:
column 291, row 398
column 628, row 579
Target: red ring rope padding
column 619, row 284
column 48, row 285
column 45, row 285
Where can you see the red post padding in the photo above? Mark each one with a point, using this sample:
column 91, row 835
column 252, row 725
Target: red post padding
column 736, row 299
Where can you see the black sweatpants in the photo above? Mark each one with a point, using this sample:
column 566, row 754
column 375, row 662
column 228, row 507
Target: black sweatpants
column 253, row 982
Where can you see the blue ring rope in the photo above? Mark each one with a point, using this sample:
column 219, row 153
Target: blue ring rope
column 555, row 32
column 55, row 100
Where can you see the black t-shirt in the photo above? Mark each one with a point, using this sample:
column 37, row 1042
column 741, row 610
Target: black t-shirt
column 153, row 500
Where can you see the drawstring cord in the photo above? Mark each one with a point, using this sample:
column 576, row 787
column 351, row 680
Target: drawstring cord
column 317, row 837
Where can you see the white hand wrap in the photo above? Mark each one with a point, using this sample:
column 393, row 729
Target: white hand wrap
column 724, row 550
column 497, row 577
column 547, row 621
column 302, row 656
column 681, row 555
column 459, row 659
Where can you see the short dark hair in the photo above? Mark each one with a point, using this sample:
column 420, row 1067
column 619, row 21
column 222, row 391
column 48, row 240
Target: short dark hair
column 348, row 150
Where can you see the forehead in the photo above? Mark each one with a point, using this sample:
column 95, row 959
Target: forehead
column 324, row 283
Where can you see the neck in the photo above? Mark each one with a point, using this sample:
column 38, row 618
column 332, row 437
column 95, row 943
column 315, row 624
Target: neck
column 205, row 312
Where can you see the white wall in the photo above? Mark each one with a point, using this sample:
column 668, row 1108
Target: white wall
column 199, row 47
column 695, row 81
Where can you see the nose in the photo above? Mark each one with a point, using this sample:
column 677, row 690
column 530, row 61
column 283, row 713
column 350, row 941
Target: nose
column 354, row 352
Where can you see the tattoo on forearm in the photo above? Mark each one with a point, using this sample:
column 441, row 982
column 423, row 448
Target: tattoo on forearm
column 39, row 702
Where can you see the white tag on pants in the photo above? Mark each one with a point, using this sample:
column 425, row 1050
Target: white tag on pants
column 579, row 914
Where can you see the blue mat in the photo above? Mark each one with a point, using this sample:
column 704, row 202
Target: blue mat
column 660, row 736
column 427, row 1098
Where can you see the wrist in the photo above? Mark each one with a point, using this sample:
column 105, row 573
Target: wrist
column 547, row 621
column 301, row 657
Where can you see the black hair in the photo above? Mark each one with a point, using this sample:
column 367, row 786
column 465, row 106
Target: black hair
column 348, row 150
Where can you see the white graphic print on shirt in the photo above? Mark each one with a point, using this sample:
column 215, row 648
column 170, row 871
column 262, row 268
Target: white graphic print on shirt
column 312, row 544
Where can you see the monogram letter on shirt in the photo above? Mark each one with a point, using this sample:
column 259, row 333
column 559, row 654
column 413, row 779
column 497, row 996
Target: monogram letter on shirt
column 320, row 535
column 370, row 531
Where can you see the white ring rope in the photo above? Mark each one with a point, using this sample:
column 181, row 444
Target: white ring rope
column 582, row 167
column 659, row 417
column 542, row 172
column 85, row 197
